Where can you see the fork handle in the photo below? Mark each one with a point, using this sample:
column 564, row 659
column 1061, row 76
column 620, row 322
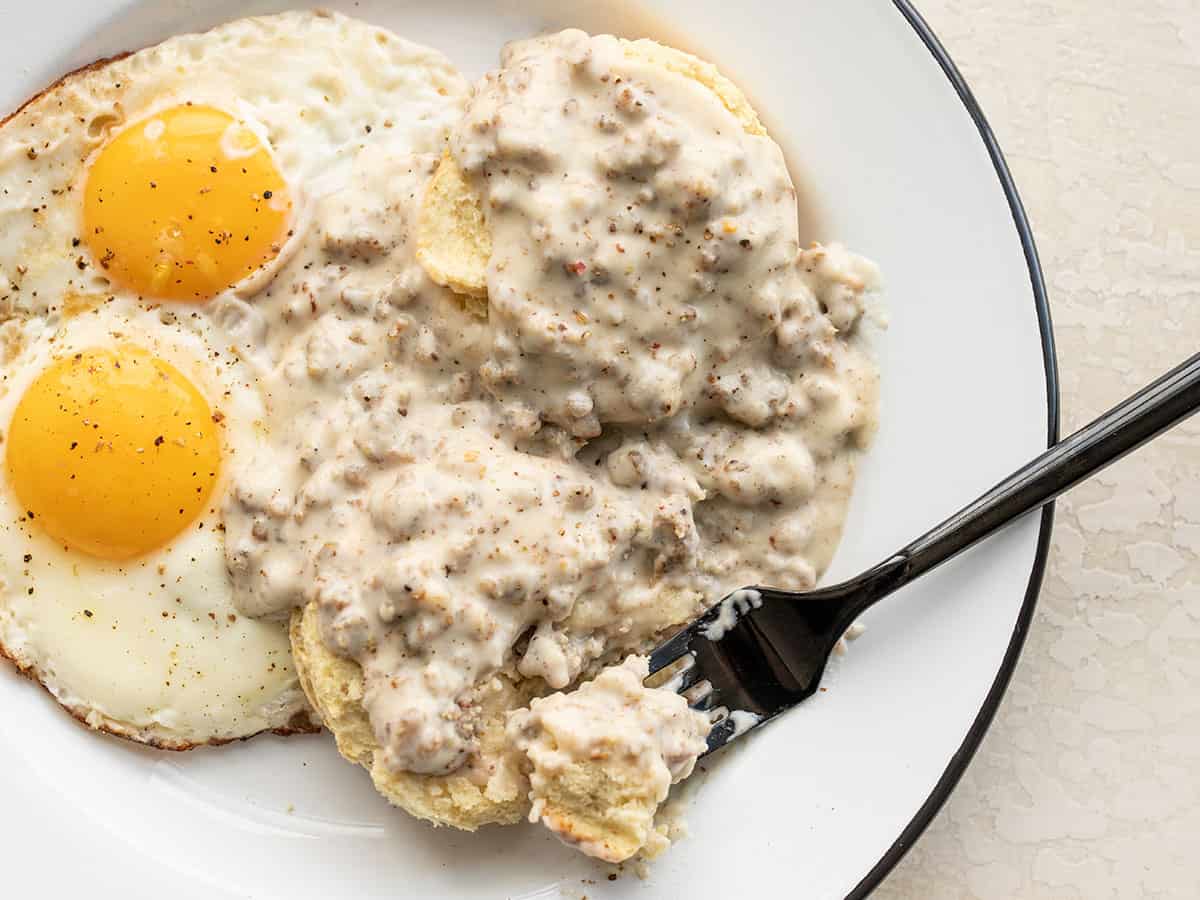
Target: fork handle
column 1151, row 411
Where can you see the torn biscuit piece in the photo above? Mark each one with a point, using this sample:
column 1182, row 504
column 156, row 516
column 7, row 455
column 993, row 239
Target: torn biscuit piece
column 602, row 758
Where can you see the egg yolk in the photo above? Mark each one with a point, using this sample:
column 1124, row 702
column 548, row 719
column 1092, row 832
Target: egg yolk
column 184, row 204
column 112, row 451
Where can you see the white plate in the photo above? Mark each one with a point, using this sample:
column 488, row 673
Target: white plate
column 823, row 802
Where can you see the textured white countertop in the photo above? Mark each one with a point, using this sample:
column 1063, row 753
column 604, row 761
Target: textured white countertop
column 1088, row 784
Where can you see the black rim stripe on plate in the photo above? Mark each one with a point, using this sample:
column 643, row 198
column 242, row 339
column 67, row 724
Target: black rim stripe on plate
column 962, row 757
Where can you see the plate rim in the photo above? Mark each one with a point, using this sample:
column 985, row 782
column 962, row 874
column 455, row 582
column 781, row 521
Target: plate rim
column 970, row 744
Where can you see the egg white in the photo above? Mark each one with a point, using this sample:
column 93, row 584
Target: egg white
column 151, row 648
column 317, row 87
column 155, row 649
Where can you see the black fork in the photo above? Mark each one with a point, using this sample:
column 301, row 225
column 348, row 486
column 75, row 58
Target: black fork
column 761, row 651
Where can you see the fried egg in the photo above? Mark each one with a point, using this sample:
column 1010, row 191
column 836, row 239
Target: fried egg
column 121, row 424
column 144, row 202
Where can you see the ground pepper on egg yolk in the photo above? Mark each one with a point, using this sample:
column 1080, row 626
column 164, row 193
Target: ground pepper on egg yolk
column 184, row 204
column 112, row 451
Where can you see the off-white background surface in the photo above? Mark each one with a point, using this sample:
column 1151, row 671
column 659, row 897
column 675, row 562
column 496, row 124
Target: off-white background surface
column 1088, row 785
